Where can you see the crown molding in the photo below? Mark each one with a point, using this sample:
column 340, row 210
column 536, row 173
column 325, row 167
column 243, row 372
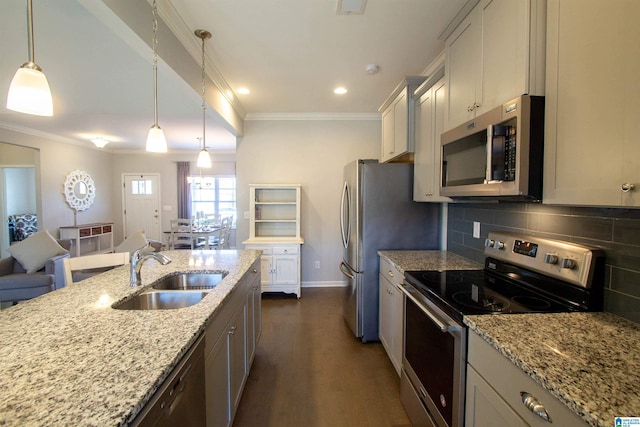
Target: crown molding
column 313, row 116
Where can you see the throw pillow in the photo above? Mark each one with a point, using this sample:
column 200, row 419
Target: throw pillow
column 34, row 251
column 132, row 243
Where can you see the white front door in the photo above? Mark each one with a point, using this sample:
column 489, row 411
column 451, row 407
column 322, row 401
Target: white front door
column 141, row 199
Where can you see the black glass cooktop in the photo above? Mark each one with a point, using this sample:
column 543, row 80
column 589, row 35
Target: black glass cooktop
column 480, row 292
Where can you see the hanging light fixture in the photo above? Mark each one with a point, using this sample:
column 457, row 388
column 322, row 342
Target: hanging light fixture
column 204, row 160
column 29, row 91
column 156, row 142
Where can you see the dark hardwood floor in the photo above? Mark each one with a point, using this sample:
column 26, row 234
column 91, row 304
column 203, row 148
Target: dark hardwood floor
column 310, row 371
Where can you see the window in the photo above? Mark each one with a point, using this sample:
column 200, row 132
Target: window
column 213, row 195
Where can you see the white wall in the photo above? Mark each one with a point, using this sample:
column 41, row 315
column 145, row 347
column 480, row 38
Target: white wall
column 166, row 166
column 312, row 153
column 56, row 160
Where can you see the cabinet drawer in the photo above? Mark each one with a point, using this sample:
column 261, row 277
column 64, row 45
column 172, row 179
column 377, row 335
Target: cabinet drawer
column 285, row 250
column 84, row 232
column 266, row 250
column 509, row 381
column 95, row 231
column 390, row 272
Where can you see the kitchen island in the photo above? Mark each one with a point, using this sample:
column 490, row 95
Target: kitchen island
column 68, row 358
column 589, row 361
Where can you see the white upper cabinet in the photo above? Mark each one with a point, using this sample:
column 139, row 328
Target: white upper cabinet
column 592, row 132
column 430, row 108
column 495, row 54
column 398, row 120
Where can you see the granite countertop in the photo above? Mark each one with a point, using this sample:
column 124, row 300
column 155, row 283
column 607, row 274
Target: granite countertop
column 589, row 361
column 68, row 358
column 428, row 260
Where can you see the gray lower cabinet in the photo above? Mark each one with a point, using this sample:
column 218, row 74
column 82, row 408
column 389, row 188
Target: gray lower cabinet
column 230, row 343
column 500, row 394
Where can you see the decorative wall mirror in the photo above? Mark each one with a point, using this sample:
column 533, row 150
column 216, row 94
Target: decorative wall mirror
column 79, row 190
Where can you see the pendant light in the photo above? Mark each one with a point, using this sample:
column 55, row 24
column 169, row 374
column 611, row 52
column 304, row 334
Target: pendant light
column 29, row 91
column 156, row 142
column 204, row 160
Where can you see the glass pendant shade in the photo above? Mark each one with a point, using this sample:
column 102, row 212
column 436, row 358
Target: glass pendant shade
column 29, row 92
column 204, row 160
column 156, row 142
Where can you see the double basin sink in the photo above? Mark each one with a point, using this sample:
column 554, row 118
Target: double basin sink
column 175, row 291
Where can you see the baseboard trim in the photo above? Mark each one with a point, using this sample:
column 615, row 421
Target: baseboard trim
column 328, row 284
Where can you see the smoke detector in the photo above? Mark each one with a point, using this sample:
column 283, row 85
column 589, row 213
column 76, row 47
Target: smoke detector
column 372, row 68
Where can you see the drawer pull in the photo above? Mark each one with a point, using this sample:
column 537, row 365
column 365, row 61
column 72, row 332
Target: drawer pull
column 390, row 273
column 534, row 405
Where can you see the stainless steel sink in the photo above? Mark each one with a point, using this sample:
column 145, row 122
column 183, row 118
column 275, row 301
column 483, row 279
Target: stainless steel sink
column 190, row 281
column 161, row 300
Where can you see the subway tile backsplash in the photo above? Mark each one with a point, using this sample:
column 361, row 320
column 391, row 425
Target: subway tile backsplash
column 616, row 231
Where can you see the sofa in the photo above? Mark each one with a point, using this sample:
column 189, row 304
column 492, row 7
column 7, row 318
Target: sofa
column 17, row 284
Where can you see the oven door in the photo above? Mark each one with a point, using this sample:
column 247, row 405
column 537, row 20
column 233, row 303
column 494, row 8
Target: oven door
column 434, row 359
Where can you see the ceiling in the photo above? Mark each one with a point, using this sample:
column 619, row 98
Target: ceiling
column 291, row 54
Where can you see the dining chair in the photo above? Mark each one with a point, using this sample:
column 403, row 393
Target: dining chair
column 82, row 267
column 182, row 235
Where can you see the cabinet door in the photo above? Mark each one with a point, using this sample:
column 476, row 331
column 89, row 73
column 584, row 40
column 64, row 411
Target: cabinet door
column 217, row 384
column 254, row 317
column 385, row 309
column 462, row 67
column 397, row 327
column 504, row 36
column 237, row 356
column 485, row 407
column 285, row 269
column 430, row 110
column 388, row 134
column 266, row 269
column 401, row 124
column 591, row 146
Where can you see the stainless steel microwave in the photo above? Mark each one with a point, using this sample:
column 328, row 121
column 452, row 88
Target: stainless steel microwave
column 498, row 154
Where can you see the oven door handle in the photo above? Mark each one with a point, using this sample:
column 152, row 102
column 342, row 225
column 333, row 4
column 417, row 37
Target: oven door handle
column 443, row 327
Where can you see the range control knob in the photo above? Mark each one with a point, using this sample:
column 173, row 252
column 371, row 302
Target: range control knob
column 499, row 245
column 568, row 263
column 550, row 259
column 489, row 243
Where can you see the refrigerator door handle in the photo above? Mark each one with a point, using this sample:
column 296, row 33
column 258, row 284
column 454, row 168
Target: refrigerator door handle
column 345, row 204
column 346, row 270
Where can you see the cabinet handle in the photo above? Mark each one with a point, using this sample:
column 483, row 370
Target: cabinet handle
column 533, row 404
column 255, row 271
column 390, row 273
column 232, row 330
column 626, row 187
column 428, row 194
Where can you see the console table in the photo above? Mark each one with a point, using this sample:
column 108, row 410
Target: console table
column 95, row 231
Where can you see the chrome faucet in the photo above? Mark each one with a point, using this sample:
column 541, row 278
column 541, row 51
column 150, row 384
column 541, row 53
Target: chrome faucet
column 138, row 258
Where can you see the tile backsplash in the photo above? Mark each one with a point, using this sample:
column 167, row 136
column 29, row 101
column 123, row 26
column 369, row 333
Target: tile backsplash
column 616, row 231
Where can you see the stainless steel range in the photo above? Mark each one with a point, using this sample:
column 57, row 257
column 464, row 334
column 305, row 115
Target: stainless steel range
column 522, row 274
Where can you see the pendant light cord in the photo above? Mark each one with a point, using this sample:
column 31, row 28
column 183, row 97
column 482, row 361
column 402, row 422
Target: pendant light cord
column 204, row 105
column 155, row 62
column 32, row 55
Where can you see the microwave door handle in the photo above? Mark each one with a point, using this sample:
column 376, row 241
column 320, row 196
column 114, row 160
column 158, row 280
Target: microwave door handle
column 488, row 176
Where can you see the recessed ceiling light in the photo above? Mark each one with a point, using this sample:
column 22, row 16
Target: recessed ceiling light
column 243, row 91
column 340, row 90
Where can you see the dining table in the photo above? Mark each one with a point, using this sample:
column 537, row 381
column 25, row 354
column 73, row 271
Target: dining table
column 198, row 233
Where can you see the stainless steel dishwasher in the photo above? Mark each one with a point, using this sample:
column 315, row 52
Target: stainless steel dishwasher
column 181, row 398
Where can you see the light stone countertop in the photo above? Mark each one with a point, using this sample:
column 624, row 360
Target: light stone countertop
column 68, row 358
column 429, row 260
column 589, row 361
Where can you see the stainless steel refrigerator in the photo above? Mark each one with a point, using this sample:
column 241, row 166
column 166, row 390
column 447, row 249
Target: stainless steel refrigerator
column 378, row 213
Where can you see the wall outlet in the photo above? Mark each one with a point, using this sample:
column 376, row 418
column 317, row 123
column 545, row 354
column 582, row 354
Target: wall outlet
column 476, row 229
column 246, row 214
column 317, row 265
